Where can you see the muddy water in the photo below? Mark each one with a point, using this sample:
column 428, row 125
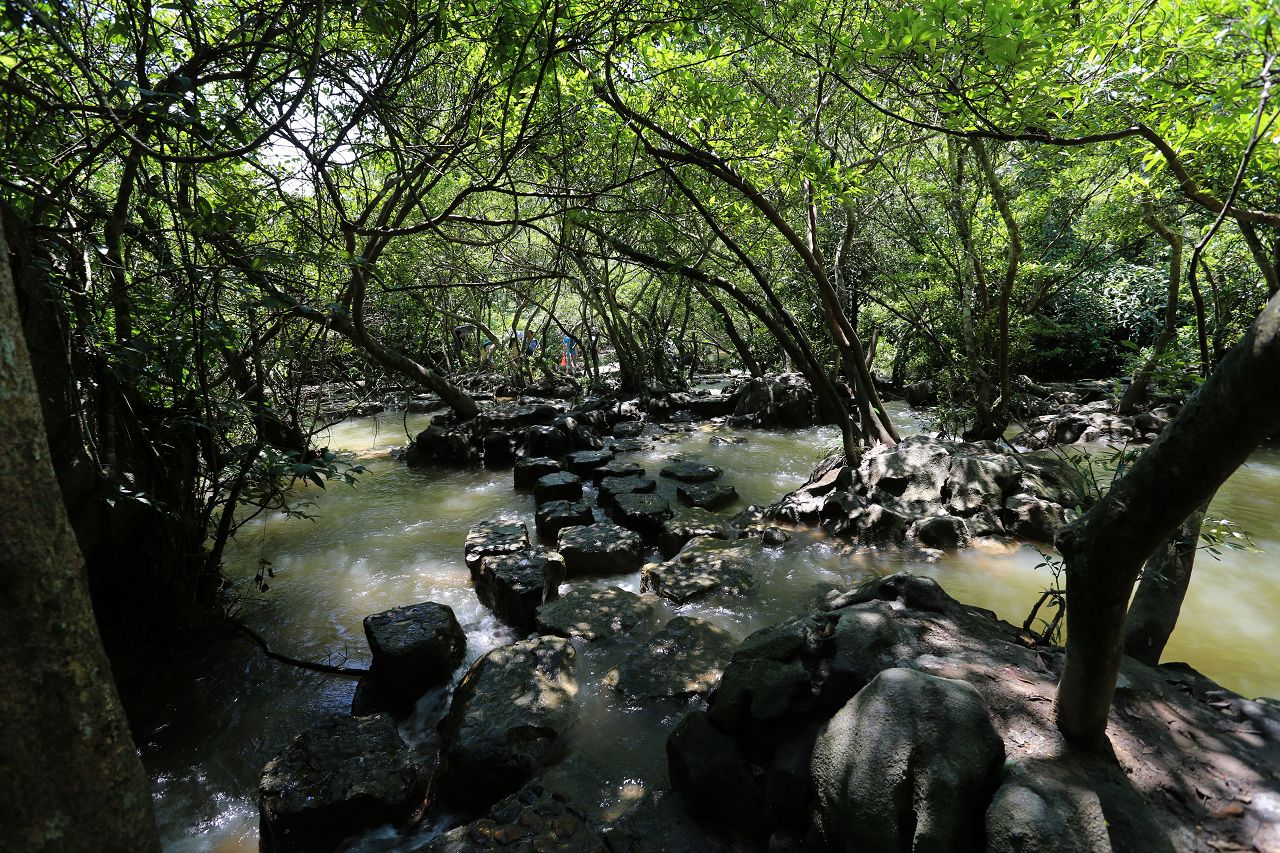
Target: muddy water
column 214, row 720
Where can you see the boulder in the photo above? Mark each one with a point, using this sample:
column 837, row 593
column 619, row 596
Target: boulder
column 440, row 445
column 711, row 406
column 499, row 449
column 610, row 487
column 343, row 776
column 684, row 659
column 690, row 472
column 769, row 681
column 600, row 549
column 515, row 585
column 715, row 779
column 941, row 531
column 643, row 513
column 774, row 537
column 712, row 496
column 908, row 764
column 587, row 463
column 554, row 516
column 1038, row 810
column 704, row 566
column 414, row 648
column 508, row 718
column 593, row 613
column 620, row 468
column 783, row 400
column 545, row 441
column 628, row 429
column 1031, row 518
column 879, row 525
column 578, row 431
column 530, row 469
column 677, row 532
column 560, row 486
column 493, row 537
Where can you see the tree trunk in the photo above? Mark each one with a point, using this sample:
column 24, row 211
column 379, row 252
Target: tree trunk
column 1211, row 436
column 1136, row 394
column 70, row 777
column 1158, row 601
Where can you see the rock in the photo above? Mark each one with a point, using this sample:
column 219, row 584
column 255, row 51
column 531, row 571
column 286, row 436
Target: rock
column 620, row 468
column 625, row 445
column 507, row 719
column 685, row 658
column 531, row 469
column 611, row 487
column 785, row 400
column 593, row 613
column 867, row 639
column 677, row 532
column 879, row 525
column 628, row 429
column 717, row 440
column 499, row 449
column 515, row 585
column 440, row 445
column 710, row 496
column 922, row 393
column 554, row 516
column 1031, row 518
column 914, row 591
column 768, row 681
column 545, row 441
column 600, row 549
column 774, row 537
column 1036, row 810
column 643, row 513
column 942, row 531
column 704, row 566
column 343, row 776
column 715, row 779
column 578, row 432
column 715, row 406
column 691, row 472
column 560, row 486
column 908, row 764
column 493, row 537
column 414, row 648
column 587, row 463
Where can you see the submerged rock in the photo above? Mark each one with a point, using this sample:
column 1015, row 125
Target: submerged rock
column 507, row 720
column 704, row 566
column 343, row 776
column 414, row 648
column 908, row 764
column 593, row 613
column 600, row 549
column 685, row 658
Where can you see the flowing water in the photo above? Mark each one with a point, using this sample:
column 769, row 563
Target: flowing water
column 208, row 722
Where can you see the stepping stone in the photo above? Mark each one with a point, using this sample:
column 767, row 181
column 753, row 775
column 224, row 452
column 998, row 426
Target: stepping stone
column 414, row 648
column 691, row 472
column 531, row 468
column 705, row 565
column 626, row 445
column 560, row 486
column 554, row 516
column 593, row 613
column 643, row 513
column 611, row 487
column 685, row 658
column 711, row 496
column 493, row 537
column 586, row 463
column 515, row 585
column 677, row 532
column 628, row 429
column 600, row 549
column 545, row 441
column 621, row 468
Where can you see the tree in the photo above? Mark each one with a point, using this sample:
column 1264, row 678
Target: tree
column 69, row 769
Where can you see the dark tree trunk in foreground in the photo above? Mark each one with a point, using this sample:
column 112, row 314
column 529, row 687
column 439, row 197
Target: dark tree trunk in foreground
column 70, row 778
column 1235, row 409
column 1154, row 612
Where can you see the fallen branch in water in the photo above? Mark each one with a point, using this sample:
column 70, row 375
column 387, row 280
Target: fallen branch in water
column 350, row 671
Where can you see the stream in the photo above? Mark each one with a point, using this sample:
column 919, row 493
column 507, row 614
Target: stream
column 207, row 721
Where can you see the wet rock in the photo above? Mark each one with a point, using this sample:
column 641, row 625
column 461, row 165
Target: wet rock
column 908, row 764
column 508, row 718
column 621, row 468
column 531, row 469
column 611, row 487
column 587, row 463
column 713, row 406
column 510, row 417
column 499, row 449
column 691, row 472
column 490, row 538
column 914, row 591
column 941, row 531
column 712, row 496
column 343, row 776
column 628, row 429
column 442, row 446
column 677, row 532
column 685, row 658
column 561, row 486
column 545, row 441
column 717, row 440
column 625, row 445
column 770, row 678
column 1036, row 810
column 1031, row 518
column 704, row 566
column 879, row 525
column 715, row 779
column 554, row 516
column 643, row 513
column 593, row 613
column 579, row 433
column 774, row 537
column 600, row 549
column 414, row 648
column 515, row 585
